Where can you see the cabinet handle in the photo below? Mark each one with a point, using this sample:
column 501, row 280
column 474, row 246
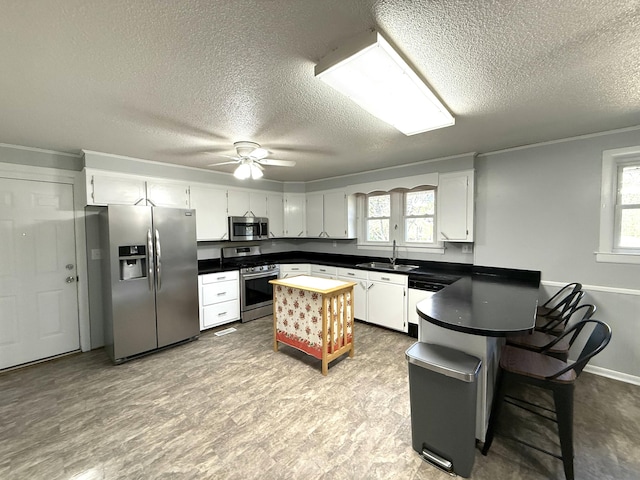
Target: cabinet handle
column 386, row 278
column 352, row 274
column 139, row 200
column 222, row 313
column 370, row 285
column 300, row 233
column 444, row 235
column 151, row 202
column 220, row 278
column 221, row 293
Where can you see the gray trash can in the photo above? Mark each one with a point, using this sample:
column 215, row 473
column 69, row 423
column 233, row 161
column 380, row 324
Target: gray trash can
column 443, row 387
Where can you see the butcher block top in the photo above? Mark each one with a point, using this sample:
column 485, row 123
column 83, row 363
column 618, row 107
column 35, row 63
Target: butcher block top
column 313, row 284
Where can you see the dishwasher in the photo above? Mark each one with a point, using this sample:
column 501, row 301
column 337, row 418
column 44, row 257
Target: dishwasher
column 419, row 290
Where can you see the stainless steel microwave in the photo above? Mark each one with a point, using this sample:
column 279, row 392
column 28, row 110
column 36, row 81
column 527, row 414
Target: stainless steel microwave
column 248, row 228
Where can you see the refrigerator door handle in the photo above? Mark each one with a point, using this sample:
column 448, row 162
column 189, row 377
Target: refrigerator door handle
column 151, row 267
column 158, row 262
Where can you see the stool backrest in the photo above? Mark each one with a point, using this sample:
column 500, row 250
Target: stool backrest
column 597, row 341
column 558, row 302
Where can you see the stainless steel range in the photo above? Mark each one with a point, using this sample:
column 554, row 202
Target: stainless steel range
column 256, row 293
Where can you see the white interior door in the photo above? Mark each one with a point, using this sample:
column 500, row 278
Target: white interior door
column 38, row 294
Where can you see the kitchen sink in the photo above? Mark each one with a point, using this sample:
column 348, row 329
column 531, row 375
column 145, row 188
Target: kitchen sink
column 388, row 266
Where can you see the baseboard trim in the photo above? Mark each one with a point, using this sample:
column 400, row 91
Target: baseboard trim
column 605, row 372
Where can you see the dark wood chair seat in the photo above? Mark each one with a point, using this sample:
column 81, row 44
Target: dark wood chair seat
column 532, row 364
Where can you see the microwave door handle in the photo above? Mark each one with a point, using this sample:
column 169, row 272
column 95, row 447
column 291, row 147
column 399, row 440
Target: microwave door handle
column 158, row 262
column 150, row 262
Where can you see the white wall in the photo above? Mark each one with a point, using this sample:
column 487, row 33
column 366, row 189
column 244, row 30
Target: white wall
column 537, row 208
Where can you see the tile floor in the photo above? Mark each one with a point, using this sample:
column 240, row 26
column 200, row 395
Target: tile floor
column 229, row 407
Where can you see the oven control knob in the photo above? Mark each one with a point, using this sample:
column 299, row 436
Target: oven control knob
column 252, row 269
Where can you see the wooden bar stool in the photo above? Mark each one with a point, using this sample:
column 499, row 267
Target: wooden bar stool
column 519, row 366
column 552, row 345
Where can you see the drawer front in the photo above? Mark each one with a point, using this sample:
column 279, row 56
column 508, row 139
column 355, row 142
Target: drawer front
column 353, row 273
column 388, row 277
column 213, row 315
column 219, row 277
column 219, row 292
column 324, row 270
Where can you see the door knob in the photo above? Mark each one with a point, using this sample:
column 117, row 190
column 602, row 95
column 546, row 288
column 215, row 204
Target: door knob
column 70, row 279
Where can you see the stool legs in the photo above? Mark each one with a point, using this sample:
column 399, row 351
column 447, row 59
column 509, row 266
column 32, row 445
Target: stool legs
column 563, row 399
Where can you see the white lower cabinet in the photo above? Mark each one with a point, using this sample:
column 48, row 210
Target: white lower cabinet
column 359, row 290
column 293, row 269
column 324, row 271
column 219, row 298
column 379, row 298
column 387, row 300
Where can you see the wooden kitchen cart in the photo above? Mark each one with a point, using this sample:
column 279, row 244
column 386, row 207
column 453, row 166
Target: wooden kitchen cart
column 314, row 315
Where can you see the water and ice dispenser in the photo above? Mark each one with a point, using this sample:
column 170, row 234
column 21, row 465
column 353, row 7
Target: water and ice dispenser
column 133, row 261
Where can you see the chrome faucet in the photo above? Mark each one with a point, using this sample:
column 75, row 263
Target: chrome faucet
column 393, row 254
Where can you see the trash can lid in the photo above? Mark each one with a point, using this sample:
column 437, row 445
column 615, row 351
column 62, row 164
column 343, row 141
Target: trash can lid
column 445, row 360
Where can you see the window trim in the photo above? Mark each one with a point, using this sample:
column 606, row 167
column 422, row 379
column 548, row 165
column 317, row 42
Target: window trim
column 611, row 160
column 366, row 218
column 433, row 216
column 396, row 225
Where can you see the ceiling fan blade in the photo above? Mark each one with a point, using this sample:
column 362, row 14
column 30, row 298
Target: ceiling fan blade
column 258, row 153
column 277, row 163
column 223, row 163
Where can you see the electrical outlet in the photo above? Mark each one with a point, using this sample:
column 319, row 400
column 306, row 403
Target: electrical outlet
column 96, row 254
column 467, row 248
column 335, row 244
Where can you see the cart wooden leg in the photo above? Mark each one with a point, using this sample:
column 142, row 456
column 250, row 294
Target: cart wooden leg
column 275, row 330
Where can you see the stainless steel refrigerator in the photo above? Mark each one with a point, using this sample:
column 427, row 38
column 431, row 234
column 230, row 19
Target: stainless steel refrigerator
column 149, row 278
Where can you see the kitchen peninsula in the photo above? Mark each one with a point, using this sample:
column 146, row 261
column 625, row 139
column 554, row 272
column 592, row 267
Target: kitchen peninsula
column 471, row 315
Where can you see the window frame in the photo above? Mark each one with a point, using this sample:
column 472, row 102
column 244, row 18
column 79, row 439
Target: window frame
column 405, row 216
column 608, row 250
column 396, row 223
column 367, row 218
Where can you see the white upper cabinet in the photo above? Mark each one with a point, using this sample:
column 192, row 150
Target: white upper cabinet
column 115, row 189
column 315, row 215
column 294, row 214
column 246, row 204
column 105, row 189
column 455, row 206
column 275, row 214
column 211, row 212
column 167, row 194
column 331, row 215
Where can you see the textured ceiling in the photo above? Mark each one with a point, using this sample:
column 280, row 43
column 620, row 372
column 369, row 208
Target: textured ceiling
column 179, row 81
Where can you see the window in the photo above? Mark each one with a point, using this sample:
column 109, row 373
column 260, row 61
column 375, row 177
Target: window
column 620, row 206
column 419, row 216
column 378, row 217
column 406, row 217
column 627, row 223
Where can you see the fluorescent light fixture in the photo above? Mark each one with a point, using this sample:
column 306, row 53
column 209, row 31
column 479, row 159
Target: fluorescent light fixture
column 372, row 74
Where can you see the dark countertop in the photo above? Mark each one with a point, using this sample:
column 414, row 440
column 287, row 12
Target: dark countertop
column 482, row 304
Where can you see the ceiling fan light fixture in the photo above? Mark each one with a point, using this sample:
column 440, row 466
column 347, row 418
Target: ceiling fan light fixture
column 372, row 74
column 256, row 173
column 243, row 171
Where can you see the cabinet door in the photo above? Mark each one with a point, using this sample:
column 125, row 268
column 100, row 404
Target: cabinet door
column 211, row 214
column 238, row 203
column 165, row 194
column 335, row 215
column 294, row 214
column 315, row 214
column 359, row 290
column 112, row 190
column 387, row 305
column 258, row 204
column 324, row 271
column 455, row 207
column 275, row 214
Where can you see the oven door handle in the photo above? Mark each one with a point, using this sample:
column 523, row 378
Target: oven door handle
column 259, row 275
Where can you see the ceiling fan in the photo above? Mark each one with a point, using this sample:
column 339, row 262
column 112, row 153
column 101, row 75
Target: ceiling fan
column 251, row 159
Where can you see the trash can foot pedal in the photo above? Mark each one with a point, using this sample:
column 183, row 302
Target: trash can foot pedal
column 437, row 461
